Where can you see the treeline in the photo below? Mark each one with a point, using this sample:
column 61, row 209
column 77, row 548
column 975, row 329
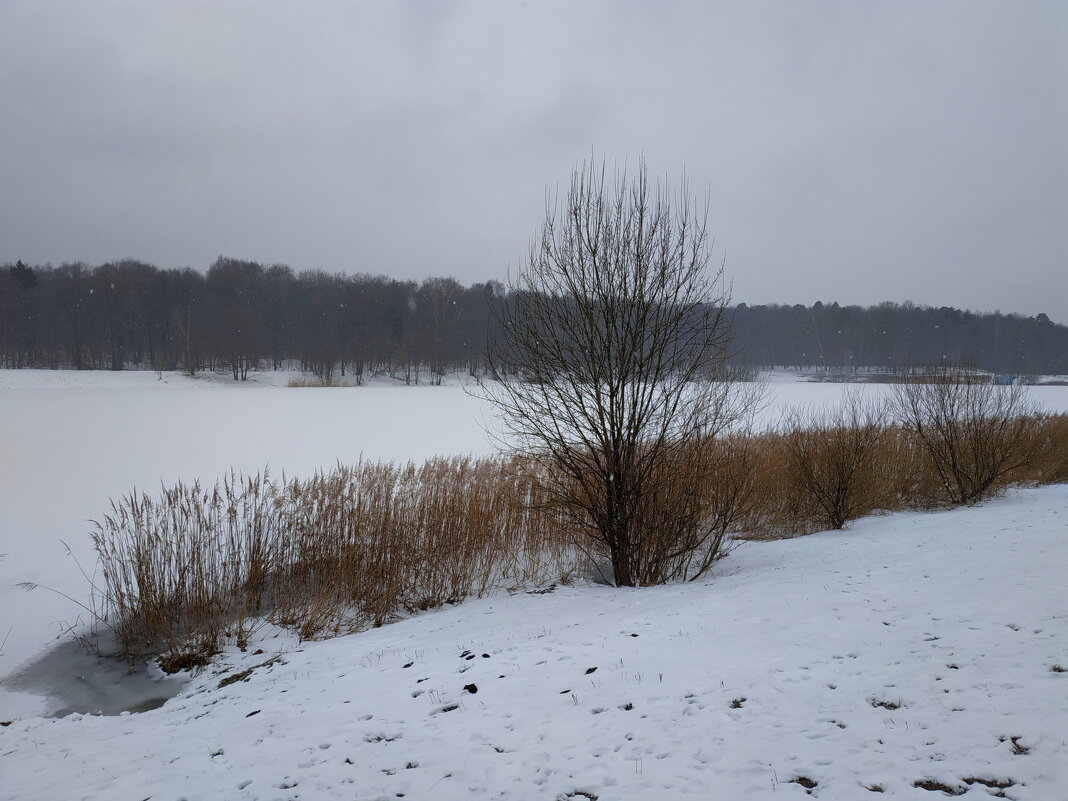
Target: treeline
column 897, row 337
column 242, row 316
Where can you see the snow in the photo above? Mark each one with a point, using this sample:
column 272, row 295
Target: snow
column 954, row 617
column 957, row 617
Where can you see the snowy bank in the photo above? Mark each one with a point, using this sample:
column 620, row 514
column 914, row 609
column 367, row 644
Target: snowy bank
column 914, row 651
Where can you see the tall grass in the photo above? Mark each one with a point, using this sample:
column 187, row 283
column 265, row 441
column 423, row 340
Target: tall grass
column 831, row 455
column 321, row 382
column 1051, row 446
column 356, row 547
column 978, row 436
column 833, row 472
column 363, row 545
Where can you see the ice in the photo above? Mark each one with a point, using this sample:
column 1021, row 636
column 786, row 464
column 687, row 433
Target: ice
column 70, row 679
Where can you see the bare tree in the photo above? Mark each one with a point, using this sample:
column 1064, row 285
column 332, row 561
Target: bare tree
column 976, row 434
column 612, row 345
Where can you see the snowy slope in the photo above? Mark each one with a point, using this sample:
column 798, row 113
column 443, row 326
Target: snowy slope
column 913, row 648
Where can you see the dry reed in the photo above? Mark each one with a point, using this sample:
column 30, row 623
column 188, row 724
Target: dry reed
column 355, row 547
column 363, row 545
column 831, row 455
column 320, row 382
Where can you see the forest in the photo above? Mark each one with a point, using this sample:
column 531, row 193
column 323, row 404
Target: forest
column 242, row 316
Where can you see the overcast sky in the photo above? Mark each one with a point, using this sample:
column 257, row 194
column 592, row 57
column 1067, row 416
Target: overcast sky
column 854, row 151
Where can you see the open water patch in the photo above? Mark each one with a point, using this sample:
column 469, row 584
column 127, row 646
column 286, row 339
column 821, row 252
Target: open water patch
column 75, row 681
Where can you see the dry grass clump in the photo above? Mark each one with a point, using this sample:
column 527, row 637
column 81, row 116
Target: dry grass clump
column 905, row 476
column 355, row 547
column 831, row 458
column 178, row 569
column 696, row 496
column 1050, row 465
column 376, row 540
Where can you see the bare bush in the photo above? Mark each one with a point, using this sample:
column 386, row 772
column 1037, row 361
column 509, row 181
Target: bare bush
column 978, row 436
column 832, row 457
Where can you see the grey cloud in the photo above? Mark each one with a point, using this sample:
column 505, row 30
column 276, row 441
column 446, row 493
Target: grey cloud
column 853, row 151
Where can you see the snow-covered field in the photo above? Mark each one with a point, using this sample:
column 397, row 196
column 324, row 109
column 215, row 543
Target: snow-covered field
column 913, row 648
column 957, row 618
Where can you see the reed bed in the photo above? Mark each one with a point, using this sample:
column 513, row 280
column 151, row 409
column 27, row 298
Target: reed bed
column 363, row 545
column 821, row 473
column 356, row 547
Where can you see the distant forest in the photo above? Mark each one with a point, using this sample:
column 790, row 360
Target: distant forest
column 242, row 316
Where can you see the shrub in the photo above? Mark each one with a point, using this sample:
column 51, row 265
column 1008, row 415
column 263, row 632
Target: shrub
column 978, row 436
column 615, row 335
column 831, row 456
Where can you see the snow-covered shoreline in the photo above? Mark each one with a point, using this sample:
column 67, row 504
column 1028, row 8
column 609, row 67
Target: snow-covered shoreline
column 880, row 611
column 912, row 648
